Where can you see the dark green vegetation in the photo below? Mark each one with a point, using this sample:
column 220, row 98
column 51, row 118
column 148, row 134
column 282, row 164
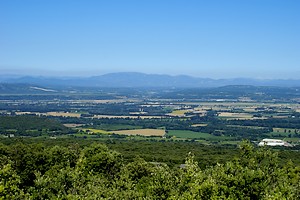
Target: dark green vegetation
column 31, row 126
column 95, row 171
column 172, row 153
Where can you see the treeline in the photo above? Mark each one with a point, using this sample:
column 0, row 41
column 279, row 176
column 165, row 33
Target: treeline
column 88, row 107
column 34, row 171
column 170, row 152
column 233, row 92
column 292, row 122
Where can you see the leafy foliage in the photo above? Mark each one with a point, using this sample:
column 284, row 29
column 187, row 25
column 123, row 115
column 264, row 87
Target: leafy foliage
column 96, row 172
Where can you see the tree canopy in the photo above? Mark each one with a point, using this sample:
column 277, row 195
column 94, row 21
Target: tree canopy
column 33, row 171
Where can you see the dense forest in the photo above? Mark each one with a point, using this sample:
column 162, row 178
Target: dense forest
column 36, row 171
column 31, row 126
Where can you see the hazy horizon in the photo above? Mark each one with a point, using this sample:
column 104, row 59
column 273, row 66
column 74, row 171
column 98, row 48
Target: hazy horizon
column 209, row 39
column 53, row 74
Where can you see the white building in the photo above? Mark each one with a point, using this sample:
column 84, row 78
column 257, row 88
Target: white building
column 274, row 142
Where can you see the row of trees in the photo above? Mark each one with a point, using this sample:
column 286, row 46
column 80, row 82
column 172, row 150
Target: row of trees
column 97, row 172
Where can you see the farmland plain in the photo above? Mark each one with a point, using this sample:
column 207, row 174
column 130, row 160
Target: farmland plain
column 184, row 115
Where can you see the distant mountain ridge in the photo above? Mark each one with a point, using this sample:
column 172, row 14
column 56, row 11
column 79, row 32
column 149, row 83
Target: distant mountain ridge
column 21, row 88
column 134, row 79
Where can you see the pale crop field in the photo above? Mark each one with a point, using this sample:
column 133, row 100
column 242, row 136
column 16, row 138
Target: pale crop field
column 178, row 113
column 280, row 117
column 144, row 132
column 103, row 101
column 199, row 125
column 94, row 131
column 249, row 109
column 236, row 115
column 63, row 114
column 73, row 125
column 23, row 113
column 126, row 116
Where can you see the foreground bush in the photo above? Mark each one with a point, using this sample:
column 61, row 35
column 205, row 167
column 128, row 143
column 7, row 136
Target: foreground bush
column 97, row 172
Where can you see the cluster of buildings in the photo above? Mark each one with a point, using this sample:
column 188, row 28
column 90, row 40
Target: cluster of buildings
column 274, row 142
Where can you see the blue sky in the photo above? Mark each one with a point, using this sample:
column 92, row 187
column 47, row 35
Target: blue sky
column 217, row 39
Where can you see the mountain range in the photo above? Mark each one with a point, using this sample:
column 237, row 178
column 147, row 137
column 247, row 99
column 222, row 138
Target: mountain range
column 135, row 80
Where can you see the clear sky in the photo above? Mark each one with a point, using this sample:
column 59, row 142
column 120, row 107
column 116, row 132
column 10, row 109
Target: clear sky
column 217, row 39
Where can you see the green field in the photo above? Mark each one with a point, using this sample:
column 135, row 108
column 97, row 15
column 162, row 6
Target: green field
column 117, row 127
column 195, row 135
